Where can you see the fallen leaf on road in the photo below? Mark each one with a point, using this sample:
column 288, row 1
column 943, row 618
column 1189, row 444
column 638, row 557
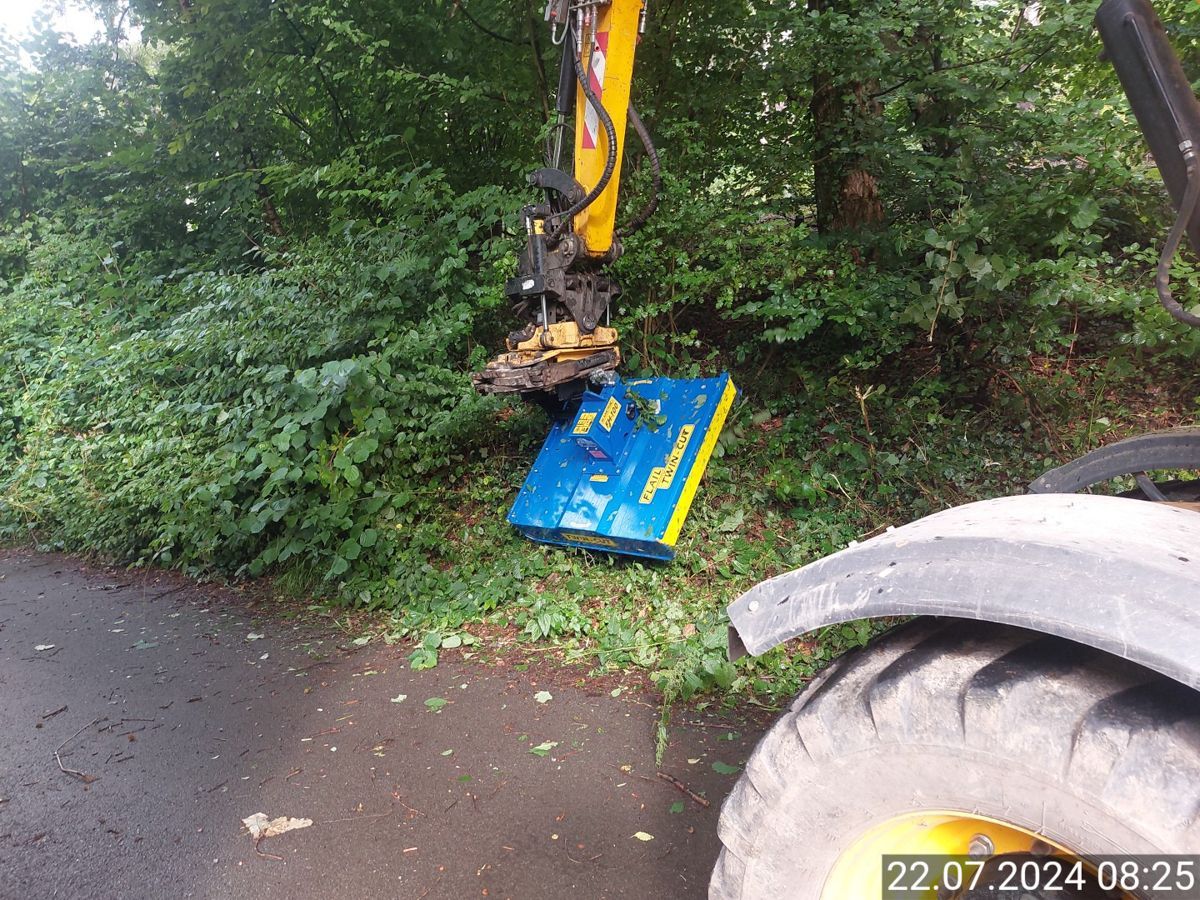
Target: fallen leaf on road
column 422, row 658
column 544, row 748
column 261, row 827
column 643, row 836
column 615, row 692
column 40, row 647
column 145, row 645
column 400, row 698
column 676, row 807
column 543, row 696
column 725, row 769
column 436, row 703
column 255, row 636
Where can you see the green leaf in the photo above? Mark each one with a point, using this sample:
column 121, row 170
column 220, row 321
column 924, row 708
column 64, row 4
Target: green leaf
column 725, row 769
column 436, row 704
column 423, row 658
column 1086, row 214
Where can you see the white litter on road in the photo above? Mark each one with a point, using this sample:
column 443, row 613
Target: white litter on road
column 260, row 826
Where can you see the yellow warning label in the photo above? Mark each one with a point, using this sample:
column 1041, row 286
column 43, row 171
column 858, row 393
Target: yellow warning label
column 584, row 425
column 599, row 478
column 591, row 539
column 611, row 411
column 661, row 477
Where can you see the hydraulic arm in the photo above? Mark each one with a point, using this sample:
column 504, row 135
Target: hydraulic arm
column 562, row 292
column 1169, row 115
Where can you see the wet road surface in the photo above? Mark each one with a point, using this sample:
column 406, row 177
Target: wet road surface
column 177, row 710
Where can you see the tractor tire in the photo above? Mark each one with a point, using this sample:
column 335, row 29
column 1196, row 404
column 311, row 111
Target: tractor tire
column 1092, row 752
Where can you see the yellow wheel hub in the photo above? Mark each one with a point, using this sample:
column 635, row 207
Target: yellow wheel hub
column 858, row 872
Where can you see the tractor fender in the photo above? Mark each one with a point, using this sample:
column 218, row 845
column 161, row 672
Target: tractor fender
column 1117, row 574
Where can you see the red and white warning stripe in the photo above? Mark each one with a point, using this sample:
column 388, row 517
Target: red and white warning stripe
column 591, row 118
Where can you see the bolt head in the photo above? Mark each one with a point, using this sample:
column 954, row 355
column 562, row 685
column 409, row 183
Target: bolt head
column 981, row 847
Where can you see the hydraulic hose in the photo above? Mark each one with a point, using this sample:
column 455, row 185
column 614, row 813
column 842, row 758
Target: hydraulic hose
column 610, row 130
column 1162, row 280
column 636, row 223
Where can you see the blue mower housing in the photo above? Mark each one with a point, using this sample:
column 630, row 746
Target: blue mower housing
column 621, row 475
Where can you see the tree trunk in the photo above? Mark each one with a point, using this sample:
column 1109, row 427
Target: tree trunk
column 847, row 193
column 269, row 212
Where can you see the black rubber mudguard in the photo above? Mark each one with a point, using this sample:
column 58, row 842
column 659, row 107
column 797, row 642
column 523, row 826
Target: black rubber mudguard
column 1178, row 448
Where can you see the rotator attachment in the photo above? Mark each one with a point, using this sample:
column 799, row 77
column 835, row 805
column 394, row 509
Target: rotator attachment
column 571, row 235
column 621, row 475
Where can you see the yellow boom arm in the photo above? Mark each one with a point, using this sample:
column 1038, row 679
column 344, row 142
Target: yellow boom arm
column 562, row 290
column 609, row 38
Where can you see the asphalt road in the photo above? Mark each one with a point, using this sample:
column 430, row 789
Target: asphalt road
column 178, row 710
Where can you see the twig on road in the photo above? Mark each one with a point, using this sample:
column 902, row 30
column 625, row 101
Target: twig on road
column 258, row 841
column 383, row 815
column 671, row 779
column 85, row 778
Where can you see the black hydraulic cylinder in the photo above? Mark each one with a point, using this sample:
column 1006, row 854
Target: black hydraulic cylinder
column 1159, row 92
column 564, row 103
